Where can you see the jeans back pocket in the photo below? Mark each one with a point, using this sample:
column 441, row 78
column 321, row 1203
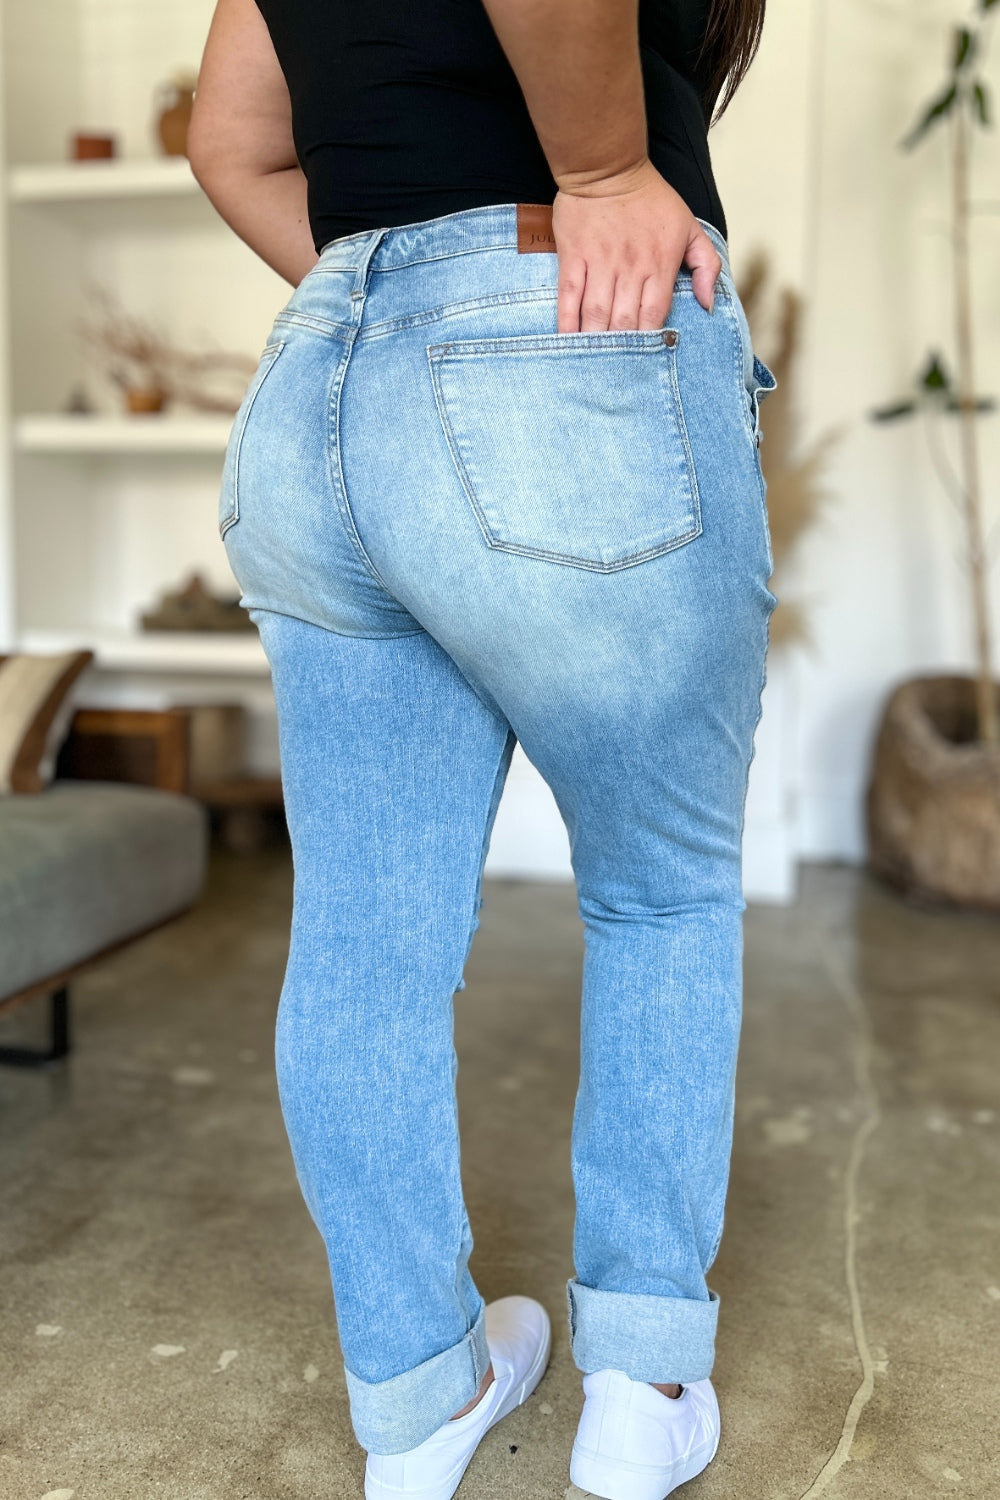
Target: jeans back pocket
column 229, row 497
column 571, row 448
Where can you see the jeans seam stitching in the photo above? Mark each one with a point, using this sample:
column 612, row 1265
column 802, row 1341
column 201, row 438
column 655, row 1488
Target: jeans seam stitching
column 558, row 345
column 274, row 350
column 686, row 439
column 348, row 635
column 336, row 467
column 417, row 320
column 740, row 352
column 491, row 810
column 317, row 324
column 433, row 361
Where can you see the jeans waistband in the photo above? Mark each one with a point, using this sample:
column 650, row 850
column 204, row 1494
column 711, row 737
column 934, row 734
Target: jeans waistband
column 493, row 227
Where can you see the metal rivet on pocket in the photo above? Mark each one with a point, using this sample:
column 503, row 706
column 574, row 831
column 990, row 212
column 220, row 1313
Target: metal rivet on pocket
column 670, row 337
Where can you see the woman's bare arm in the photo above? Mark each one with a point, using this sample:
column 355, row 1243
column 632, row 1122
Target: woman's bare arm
column 240, row 141
column 621, row 231
column 577, row 62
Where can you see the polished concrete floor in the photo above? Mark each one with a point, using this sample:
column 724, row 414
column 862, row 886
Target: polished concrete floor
column 166, row 1326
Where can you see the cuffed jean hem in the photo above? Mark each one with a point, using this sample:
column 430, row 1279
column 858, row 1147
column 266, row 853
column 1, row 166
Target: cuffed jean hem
column 395, row 1415
column 659, row 1339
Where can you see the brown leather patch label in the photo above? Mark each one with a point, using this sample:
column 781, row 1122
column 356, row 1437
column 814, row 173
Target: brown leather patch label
column 534, row 228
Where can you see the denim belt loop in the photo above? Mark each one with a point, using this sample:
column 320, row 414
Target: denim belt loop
column 363, row 273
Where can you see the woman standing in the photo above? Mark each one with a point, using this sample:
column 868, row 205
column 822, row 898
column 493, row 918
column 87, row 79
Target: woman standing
column 496, row 478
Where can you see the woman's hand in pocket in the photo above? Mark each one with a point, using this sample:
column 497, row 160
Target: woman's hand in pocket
column 621, row 241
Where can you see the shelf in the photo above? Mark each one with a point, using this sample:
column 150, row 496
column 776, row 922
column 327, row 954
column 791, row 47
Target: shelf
column 240, row 654
column 65, row 182
column 57, row 433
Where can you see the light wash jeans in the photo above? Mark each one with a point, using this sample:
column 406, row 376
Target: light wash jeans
column 455, row 526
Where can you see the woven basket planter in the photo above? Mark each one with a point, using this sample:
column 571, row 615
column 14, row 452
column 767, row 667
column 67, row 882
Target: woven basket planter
column 934, row 798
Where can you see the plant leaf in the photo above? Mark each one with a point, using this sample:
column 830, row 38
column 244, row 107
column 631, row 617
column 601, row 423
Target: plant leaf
column 965, row 48
column 987, row 4
column 981, row 403
column 935, row 377
column 981, row 100
column 890, row 413
column 934, row 111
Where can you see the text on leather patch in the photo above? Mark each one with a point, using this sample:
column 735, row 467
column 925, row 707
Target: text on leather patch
column 534, row 228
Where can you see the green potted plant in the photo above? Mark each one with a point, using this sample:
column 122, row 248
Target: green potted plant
column 933, row 803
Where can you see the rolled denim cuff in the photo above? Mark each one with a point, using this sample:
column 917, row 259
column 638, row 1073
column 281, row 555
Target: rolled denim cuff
column 395, row 1415
column 659, row 1339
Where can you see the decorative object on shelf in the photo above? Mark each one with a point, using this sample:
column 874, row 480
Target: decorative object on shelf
column 933, row 800
column 794, row 492
column 142, row 400
column 135, row 354
column 93, row 147
column 78, row 403
column 152, row 372
column 194, row 607
column 176, row 100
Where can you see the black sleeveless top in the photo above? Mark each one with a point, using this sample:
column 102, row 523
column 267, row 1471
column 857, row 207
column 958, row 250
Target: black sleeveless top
column 403, row 111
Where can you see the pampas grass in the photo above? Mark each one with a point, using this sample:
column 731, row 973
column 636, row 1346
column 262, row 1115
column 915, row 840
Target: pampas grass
column 795, row 493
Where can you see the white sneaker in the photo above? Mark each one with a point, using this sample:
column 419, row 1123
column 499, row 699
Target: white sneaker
column 635, row 1443
column 519, row 1338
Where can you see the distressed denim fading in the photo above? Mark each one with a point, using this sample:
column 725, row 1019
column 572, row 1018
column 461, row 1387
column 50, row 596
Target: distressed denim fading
column 457, row 528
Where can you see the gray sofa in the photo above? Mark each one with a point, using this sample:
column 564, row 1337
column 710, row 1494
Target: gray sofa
column 112, row 849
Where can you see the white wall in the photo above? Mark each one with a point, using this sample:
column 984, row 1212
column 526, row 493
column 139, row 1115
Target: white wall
column 7, row 562
column 809, row 167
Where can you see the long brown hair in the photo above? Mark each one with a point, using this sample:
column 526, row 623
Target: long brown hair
column 729, row 47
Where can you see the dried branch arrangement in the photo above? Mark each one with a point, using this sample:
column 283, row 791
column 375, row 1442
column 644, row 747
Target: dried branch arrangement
column 795, row 494
column 139, row 358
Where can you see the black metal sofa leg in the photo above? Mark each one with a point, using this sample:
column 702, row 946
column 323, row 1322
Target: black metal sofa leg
column 34, row 1057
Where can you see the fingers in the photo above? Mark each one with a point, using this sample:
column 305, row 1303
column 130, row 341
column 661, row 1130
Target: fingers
column 655, row 302
column 594, row 300
column 642, row 302
column 627, row 304
column 572, row 280
column 598, row 302
column 598, row 305
column 706, row 263
column 619, row 256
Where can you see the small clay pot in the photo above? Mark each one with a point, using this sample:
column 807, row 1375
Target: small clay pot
column 93, row 147
column 140, row 399
column 174, row 119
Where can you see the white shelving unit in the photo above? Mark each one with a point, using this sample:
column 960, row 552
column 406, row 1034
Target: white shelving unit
column 101, row 513
column 74, row 181
column 46, row 432
column 164, row 651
